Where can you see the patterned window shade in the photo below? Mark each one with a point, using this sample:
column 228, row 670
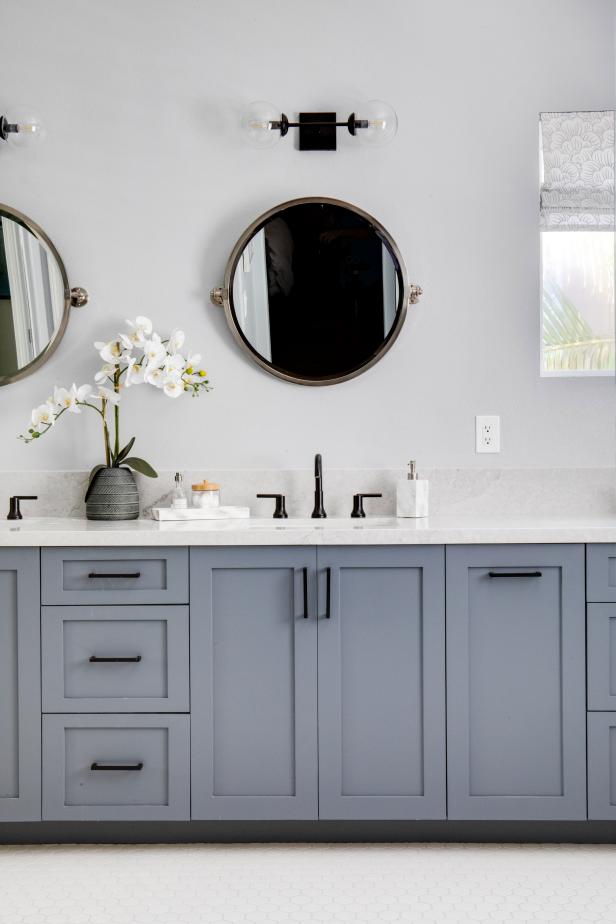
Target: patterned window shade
column 577, row 183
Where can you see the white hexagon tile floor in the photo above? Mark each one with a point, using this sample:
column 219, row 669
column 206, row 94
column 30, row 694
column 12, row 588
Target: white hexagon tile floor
column 359, row 883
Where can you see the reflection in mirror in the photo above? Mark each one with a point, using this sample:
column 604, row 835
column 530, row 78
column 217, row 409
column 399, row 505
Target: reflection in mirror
column 33, row 298
column 317, row 291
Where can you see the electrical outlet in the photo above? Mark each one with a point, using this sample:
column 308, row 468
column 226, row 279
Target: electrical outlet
column 487, row 433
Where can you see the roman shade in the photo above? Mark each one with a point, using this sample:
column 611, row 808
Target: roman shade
column 577, row 171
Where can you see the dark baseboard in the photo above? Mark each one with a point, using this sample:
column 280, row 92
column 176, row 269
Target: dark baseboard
column 242, row 832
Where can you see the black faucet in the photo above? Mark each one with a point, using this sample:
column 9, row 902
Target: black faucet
column 319, row 511
column 14, row 511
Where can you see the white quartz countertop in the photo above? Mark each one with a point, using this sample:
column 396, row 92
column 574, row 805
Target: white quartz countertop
column 332, row 531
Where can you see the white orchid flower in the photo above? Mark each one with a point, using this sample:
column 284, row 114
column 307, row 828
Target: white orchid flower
column 173, row 386
column 135, row 373
column 108, row 395
column 128, row 343
column 176, row 341
column 140, row 329
column 68, row 398
column 104, row 373
column 193, row 362
column 43, row 416
column 154, row 375
column 174, row 363
column 154, row 351
column 110, row 352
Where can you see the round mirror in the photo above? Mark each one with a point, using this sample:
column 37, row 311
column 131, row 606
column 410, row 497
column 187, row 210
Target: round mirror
column 35, row 298
column 315, row 290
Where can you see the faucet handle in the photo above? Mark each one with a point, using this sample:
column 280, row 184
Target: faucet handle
column 14, row 511
column 280, row 512
column 358, row 504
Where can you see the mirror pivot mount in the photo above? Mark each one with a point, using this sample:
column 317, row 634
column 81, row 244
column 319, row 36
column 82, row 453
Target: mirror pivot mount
column 79, row 297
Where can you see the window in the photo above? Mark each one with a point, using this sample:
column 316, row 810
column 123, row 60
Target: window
column 577, row 243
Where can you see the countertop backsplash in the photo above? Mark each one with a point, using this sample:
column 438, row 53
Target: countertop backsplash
column 481, row 492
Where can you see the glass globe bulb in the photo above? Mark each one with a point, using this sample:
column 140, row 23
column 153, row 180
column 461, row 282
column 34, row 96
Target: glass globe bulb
column 257, row 124
column 382, row 123
column 30, row 130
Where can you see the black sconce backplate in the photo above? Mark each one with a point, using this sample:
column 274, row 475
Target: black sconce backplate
column 320, row 136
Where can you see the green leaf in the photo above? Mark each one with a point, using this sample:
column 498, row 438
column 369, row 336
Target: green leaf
column 92, row 478
column 124, row 452
column 141, row 466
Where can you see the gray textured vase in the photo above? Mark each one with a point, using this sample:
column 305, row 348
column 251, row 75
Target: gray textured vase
column 113, row 496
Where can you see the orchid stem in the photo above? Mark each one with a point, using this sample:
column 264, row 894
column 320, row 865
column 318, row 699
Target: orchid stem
column 116, row 413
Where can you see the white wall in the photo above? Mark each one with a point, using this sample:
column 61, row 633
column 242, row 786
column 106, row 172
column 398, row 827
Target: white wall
column 144, row 185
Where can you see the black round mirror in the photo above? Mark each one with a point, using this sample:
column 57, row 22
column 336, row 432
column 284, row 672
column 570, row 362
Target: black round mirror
column 315, row 290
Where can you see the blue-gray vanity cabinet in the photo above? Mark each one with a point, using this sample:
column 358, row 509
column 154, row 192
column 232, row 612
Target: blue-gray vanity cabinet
column 253, row 676
column 115, row 658
column 381, row 671
column 112, row 575
column 601, row 647
column 601, row 573
column 602, row 765
column 116, row 767
column 20, row 690
column 516, row 707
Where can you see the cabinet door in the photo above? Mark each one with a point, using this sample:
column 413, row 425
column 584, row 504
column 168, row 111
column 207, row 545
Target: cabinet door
column 253, row 683
column 602, row 765
column 20, row 686
column 516, row 720
column 381, row 682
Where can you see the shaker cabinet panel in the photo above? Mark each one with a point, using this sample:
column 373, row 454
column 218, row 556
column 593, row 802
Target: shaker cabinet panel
column 516, row 682
column 381, row 683
column 601, row 647
column 602, row 766
column 115, row 659
column 20, row 691
column 601, row 573
column 114, row 575
column 253, row 683
column 116, row 767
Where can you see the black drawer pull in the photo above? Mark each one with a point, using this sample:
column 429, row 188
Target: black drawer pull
column 305, row 585
column 94, row 659
column 97, row 765
column 514, row 574
column 120, row 574
column 328, row 607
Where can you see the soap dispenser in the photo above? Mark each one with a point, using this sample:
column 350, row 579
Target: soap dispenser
column 179, row 500
column 412, row 494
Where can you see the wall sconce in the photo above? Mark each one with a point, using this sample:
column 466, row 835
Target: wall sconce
column 263, row 125
column 21, row 127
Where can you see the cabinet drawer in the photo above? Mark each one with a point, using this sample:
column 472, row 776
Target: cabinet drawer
column 601, row 649
column 116, row 767
column 115, row 659
column 77, row 576
column 602, row 765
column 601, row 573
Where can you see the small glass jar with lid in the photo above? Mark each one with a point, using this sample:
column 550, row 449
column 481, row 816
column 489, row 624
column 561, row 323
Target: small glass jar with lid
column 206, row 494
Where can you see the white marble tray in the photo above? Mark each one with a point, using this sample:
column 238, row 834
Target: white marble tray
column 201, row 513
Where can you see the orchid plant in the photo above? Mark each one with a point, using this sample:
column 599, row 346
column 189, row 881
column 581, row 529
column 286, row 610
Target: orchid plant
column 133, row 358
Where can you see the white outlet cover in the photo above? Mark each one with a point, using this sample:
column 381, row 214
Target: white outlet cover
column 487, row 433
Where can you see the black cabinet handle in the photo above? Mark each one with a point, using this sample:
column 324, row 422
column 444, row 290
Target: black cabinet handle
column 514, row 574
column 94, row 659
column 328, row 593
column 305, row 585
column 120, row 574
column 97, row 765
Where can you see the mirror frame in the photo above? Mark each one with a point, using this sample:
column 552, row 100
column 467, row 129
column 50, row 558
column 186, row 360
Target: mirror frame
column 75, row 297
column 225, row 296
